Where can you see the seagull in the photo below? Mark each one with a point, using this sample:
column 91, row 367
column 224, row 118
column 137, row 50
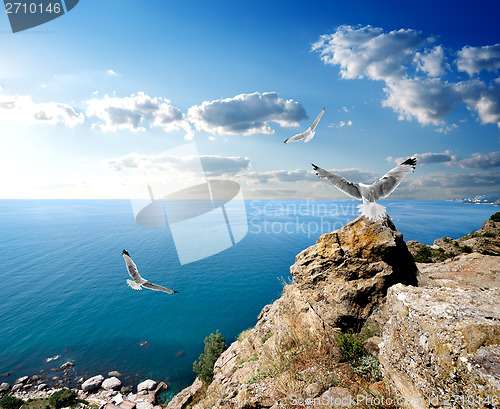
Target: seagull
column 309, row 134
column 370, row 193
column 138, row 280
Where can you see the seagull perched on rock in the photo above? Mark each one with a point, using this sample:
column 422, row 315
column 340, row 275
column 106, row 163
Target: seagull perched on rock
column 370, row 193
column 140, row 282
column 309, row 134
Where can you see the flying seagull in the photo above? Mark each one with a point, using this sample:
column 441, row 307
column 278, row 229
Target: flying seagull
column 138, row 280
column 309, row 134
column 370, row 193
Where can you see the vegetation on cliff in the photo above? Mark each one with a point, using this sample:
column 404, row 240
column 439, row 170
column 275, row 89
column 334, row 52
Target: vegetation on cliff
column 215, row 345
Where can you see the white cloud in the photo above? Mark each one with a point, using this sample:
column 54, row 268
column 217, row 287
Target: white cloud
column 411, row 72
column 481, row 161
column 479, row 181
column 428, row 101
column 369, row 52
column 482, row 99
column 302, row 175
column 447, row 128
column 476, row 161
column 246, row 114
column 431, row 157
column 473, row 60
column 431, row 61
column 137, row 112
column 213, row 165
column 111, row 72
column 21, row 108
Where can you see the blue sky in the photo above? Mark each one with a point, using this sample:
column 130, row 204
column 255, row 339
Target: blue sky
column 94, row 100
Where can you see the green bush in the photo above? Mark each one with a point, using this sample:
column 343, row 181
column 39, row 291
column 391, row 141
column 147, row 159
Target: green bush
column 9, row 402
column 423, row 255
column 466, row 249
column 495, row 217
column 63, row 398
column 350, row 346
column 488, row 234
column 215, row 345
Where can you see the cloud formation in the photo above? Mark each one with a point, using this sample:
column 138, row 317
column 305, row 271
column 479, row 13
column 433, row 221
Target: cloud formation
column 21, row 108
column 246, row 114
column 473, row 60
column 135, row 113
column 302, row 175
column 213, row 165
column 411, row 66
column 481, row 161
column 369, row 52
column 476, row 161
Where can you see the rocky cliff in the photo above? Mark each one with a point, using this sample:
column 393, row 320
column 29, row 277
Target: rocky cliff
column 291, row 354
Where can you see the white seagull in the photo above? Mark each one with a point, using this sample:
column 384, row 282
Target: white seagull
column 369, row 193
column 138, row 280
column 309, row 134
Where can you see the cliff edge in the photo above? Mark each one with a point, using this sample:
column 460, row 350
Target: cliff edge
column 291, row 354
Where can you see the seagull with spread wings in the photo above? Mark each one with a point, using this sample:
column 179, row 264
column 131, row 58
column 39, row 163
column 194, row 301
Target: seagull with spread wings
column 140, row 282
column 309, row 134
column 370, row 193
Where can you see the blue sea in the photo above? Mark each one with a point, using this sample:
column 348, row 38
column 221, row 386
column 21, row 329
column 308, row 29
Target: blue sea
column 63, row 284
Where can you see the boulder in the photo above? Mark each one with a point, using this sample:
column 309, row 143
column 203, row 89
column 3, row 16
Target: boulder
column 67, row 366
column 466, row 271
column 17, row 387
column 147, row 385
column 93, row 383
column 22, row 379
column 312, row 390
column 185, row 397
column 114, row 373
column 42, row 386
column 443, row 344
column 346, row 274
column 125, row 390
column 4, row 387
column 112, row 383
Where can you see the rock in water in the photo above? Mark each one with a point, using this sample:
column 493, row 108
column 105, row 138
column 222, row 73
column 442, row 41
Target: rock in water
column 347, row 272
column 21, row 380
column 112, row 383
column 93, row 383
column 443, row 345
column 4, row 387
column 147, row 385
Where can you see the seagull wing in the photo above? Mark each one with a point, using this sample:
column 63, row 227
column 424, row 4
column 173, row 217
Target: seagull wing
column 391, row 180
column 297, row 137
column 132, row 269
column 157, row 287
column 316, row 121
column 339, row 182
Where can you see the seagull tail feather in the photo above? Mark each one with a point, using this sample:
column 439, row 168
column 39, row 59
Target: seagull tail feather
column 310, row 136
column 134, row 285
column 372, row 210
